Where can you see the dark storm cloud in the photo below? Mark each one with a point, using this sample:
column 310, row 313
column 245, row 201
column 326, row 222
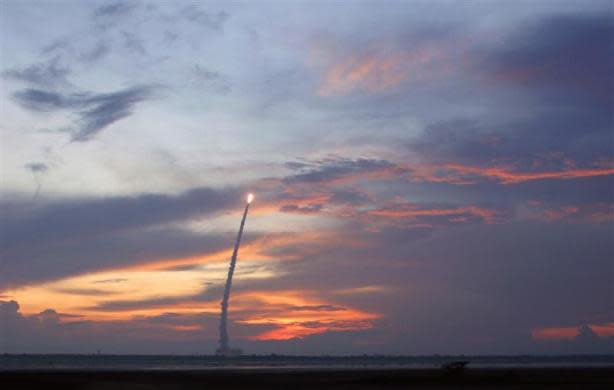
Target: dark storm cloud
column 94, row 111
column 46, row 74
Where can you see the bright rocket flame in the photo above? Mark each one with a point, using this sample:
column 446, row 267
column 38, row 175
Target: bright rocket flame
column 250, row 197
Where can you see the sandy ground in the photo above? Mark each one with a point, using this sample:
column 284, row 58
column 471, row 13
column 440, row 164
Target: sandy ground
column 556, row 378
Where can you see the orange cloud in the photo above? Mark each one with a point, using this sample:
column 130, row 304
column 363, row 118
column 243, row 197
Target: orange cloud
column 296, row 314
column 170, row 285
column 377, row 72
column 186, row 328
column 554, row 214
column 463, row 174
column 595, row 213
column 160, row 290
column 570, row 332
column 567, row 333
column 409, row 211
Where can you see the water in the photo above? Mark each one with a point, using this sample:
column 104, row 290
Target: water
column 169, row 362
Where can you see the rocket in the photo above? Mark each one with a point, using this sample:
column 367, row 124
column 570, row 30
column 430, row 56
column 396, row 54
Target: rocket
column 224, row 349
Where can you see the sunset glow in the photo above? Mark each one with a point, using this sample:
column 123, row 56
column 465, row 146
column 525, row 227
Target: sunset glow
column 306, row 177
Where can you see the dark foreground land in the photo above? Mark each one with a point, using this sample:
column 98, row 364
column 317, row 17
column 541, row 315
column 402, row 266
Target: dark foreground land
column 318, row 379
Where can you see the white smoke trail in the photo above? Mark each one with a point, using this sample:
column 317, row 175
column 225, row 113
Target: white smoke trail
column 37, row 168
column 224, row 348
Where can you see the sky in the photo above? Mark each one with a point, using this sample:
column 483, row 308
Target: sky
column 429, row 177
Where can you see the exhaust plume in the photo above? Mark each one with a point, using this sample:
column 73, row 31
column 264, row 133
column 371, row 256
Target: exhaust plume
column 224, row 348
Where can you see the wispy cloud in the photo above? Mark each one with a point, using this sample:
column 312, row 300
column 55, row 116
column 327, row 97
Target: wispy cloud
column 409, row 211
column 44, row 74
column 100, row 50
column 114, row 9
column 467, row 174
column 95, row 111
column 214, row 21
column 379, row 71
column 133, row 43
column 209, row 80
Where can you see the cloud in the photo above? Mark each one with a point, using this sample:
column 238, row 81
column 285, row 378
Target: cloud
column 103, row 110
column 96, row 53
column 308, row 209
column 114, row 9
column 379, row 63
column 422, row 215
column 133, row 43
column 593, row 338
column 601, row 212
column 377, row 72
column 53, row 332
column 55, row 239
column 114, row 280
column 538, row 56
column 211, row 80
column 64, row 219
column 538, row 142
column 39, row 100
column 428, row 269
column 316, row 308
column 329, row 171
column 47, row 74
column 465, row 174
column 95, row 112
column 213, row 21
column 311, row 317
